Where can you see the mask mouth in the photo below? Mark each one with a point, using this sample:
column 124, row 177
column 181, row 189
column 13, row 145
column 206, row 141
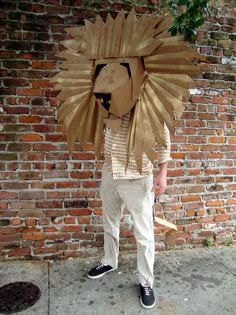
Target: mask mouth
column 104, row 99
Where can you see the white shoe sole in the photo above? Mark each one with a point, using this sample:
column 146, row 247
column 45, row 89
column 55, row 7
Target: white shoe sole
column 145, row 306
column 101, row 275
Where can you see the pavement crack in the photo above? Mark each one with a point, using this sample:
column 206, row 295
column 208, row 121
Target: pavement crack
column 49, row 284
column 224, row 265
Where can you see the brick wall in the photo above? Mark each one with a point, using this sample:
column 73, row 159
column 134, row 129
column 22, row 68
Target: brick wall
column 49, row 201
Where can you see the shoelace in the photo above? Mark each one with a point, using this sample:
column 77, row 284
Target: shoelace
column 100, row 266
column 146, row 290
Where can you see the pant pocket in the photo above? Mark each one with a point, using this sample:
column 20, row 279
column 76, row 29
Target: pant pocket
column 148, row 183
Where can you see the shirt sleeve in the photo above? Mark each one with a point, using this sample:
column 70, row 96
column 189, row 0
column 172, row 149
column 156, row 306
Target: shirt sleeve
column 164, row 152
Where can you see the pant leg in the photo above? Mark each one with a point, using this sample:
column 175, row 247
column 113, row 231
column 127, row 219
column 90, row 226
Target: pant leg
column 139, row 199
column 112, row 207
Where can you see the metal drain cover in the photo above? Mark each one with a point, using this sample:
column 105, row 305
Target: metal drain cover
column 18, row 296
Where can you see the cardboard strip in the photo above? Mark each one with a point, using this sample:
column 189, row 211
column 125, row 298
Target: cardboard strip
column 163, row 110
column 102, row 43
column 182, row 80
column 138, row 137
column 171, row 58
column 169, row 101
column 77, row 32
column 90, row 37
column 176, row 90
column 156, row 120
column 139, row 36
column 72, row 44
column 151, row 29
column 175, row 69
column 118, row 27
column 148, row 47
column 166, row 223
column 148, row 134
column 68, row 109
column 126, row 33
column 164, row 25
column 96, row 36
column 70, row 91
column 74, row 123
column 109, row 35
column 132, row 51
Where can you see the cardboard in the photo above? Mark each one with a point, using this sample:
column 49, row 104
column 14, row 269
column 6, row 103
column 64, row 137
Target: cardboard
column 120, row 65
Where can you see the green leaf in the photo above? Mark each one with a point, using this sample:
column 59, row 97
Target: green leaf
column 199, row 22
column 183, row 2
column 173, row 30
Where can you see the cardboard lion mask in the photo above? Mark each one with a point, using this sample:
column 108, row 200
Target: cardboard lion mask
column 118, row 66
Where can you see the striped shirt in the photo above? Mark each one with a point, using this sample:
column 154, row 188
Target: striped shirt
column 115, row 153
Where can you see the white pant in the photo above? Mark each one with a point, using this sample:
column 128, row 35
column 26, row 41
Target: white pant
column 136, row 194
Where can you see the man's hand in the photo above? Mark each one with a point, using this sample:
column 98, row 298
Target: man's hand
column 160, row 180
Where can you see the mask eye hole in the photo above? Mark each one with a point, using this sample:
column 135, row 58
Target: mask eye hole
column 105, row 99
column 126, row 65
column 98, row 69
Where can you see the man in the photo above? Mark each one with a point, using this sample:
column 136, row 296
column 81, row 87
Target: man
column 127, row 187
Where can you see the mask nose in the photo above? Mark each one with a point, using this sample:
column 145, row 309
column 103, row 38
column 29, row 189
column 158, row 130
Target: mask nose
column 104, row 98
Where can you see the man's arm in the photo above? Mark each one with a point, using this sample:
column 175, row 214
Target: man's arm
column 160, row 180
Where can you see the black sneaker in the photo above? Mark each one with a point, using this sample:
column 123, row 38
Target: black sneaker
column 147, row 298
column 99, row 271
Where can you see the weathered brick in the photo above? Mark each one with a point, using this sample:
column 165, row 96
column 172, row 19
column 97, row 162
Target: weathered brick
column 222, row 217
column 33, row 236
column 80, row 212
column 30, row 92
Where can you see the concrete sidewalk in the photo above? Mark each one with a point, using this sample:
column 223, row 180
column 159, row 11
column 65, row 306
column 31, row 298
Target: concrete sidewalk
column 189, row 282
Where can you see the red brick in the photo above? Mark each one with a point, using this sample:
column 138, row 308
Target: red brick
column 16, row 221
column 55, row 213
column 58, row 236
column 30, row 92
column 31, row 138
column 4, row 195
column 17, row 252
column 223, row 217
column 82, row 174
column 43, row 221
column 220, row 100
column 206, row 234
column 216, row 139
column 84, row 220
column 33, row 236
column 9, row 238
column 30, row 213
column 7, row 230
column 231, row 202
column 190, row 213
column 80, row 212
column 30, row 222
column 23, row 205
column 43, row 65
column 190, row 198
column 70, row 220
column 45, row 251
column 192, row 227
column 30, row 119
column 215, row 203
column 94, row 184
column 201, row 212
column 3, row 205
column 49, row 229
